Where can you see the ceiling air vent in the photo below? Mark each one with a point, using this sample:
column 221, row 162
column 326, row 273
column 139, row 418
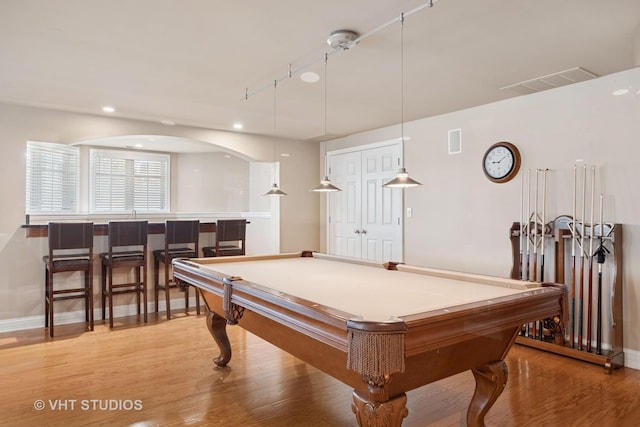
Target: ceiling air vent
column 563, row 78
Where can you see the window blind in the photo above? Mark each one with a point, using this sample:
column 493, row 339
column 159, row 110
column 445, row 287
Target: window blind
column 123, row 181
column 52, row 178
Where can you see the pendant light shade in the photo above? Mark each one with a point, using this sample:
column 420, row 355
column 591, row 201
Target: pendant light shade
column 402, row 179
column 325, row 184
column 275, row 191
column 275, row 188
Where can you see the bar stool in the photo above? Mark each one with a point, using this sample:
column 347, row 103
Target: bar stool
column 179, row 232
column 70, row 249
column 123, row 235
column 230, row 238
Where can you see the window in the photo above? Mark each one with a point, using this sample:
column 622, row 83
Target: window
column 123, row 181
column 52, row 178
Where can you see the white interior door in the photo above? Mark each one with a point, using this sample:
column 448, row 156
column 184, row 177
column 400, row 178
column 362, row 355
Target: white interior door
column 345, row 207
column 365, row 219
column 381, row 225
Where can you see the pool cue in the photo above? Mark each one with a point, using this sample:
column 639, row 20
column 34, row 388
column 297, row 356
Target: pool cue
column 581, row 295
column 542, row 239
column 544, row 213
column 572, row 290
column 527, row 240
column 534, row 276
column 601, row 256
column 521, row 265
column 591, row 255
column 528, row 219
column 521, row 241
column 535, row 231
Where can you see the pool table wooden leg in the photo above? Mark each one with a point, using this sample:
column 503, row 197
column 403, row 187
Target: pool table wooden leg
column 491, row 380
column 217, row 326
column 374, row 414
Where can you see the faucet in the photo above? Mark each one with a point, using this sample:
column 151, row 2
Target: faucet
column 134, row 214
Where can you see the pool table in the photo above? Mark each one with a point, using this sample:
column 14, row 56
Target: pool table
column 383, row 329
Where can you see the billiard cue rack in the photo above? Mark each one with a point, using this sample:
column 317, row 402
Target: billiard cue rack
column 560, row 334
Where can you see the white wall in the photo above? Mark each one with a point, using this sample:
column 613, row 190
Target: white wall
column 209, row 182
column 461, row 220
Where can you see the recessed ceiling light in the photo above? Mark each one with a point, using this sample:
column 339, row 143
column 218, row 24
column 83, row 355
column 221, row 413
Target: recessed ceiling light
column 167, row 122
column 620, row 92
column 285, row 155
column 309, row 77
column 108, row 109
column 138, row 145
column 238, row 125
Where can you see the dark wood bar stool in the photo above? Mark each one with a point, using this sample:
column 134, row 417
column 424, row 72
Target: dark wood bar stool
column 181, row 233
column 70, row 249
column 127, row 250
column 230, row 238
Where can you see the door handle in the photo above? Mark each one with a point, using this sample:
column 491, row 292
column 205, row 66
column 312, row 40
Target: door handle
column 364, row 231
column 357, row 231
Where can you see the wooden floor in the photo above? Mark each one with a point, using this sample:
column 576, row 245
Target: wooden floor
column 161, row 374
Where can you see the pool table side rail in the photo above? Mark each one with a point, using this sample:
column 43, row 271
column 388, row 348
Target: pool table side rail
column 442, row 327
column 302, row 254
column 325, row 324
column 467, row 277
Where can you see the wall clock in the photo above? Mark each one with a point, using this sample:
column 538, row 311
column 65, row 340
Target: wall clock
column 501, row 162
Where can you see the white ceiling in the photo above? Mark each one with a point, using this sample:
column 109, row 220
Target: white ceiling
column 190, row 61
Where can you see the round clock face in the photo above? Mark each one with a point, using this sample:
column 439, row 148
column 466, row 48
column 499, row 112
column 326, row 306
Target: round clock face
column 501, row 162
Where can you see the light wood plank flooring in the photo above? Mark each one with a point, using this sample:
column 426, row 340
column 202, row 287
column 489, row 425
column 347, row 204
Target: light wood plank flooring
column 166, row 367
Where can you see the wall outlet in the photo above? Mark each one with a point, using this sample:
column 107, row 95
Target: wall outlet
column 409, row 213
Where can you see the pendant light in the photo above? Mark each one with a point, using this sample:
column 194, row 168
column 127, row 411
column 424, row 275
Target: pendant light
column 402, row 179
column 325, row 183
column 275, row 189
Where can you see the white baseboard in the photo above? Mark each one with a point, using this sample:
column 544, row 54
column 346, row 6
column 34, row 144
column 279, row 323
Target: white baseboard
column 632, row 359
column 63, row 318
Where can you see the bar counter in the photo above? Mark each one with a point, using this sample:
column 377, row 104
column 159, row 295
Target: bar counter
column 102, row 228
